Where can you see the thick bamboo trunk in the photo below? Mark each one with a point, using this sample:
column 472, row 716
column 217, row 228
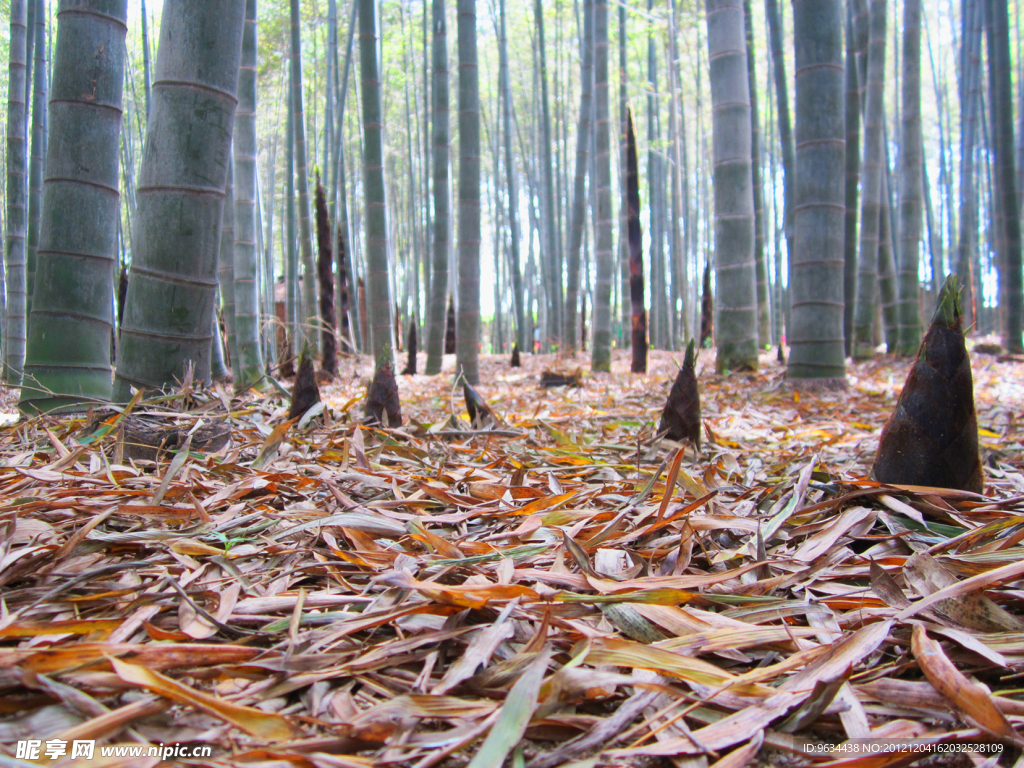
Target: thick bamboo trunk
column 911, row 184
column 1001, row 100
column 655, row 192
column 291, row 257
column 970, row 77
column 439, row 278
column 172, row 283
column 625, row 312
column 467, row 335
column 852, row 193
column 15, row 320
column 764, row 318
column 308, row 314
column 887, row 277
column 249, row 368
column 872, row 169
column 378, row 286
column 68, row 355
column 680, row 192
column 346, row 307
column 817, row 355
column 38, row 158
column 570, row 335
column 148, row 80
column 550, row 262
column 601, row 344
column 518, row 298
column 736, row 298
column 226, row 270
column 775, row 36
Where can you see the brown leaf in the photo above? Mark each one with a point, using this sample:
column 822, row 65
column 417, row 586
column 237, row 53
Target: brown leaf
column 953, row 588
column 162, row 656
column 252, row 721
column 973, row 610
column 971, row 699
column 886, row 588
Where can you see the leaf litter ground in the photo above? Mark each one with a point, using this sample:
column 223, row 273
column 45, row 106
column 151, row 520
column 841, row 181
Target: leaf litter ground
column 558, row 586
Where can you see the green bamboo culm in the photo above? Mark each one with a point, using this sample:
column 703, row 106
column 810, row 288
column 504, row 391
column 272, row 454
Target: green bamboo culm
column 467, row 344
column 38, row 157
column 601, row 346
column 871, row 187
column 911, row 184
column 172, row 285
column 68, row 346
column 505, row 96
column 226, row 270
column 551, row 267
column 17, row 203
column 817, row 355
column 378, row 283
column 736, row 289
column 440, row 119
column 570, row 319
column 308, row 315
column 249, row 367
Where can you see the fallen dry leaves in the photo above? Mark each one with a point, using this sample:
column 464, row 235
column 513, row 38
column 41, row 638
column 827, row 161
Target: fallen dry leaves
column 551, row 583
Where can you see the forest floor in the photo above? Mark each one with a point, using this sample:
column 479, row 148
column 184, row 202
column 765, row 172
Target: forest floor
column 556, row 589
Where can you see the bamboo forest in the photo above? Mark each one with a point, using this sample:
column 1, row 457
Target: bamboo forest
column 475, row 383
column 522, row 191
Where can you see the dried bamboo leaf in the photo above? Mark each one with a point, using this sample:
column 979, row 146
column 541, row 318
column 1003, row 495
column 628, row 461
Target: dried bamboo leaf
column 252, row 721
column 973, row 610
column 971, row 699
column 515, row 715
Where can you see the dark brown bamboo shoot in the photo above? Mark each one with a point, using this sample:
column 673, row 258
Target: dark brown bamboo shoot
column 681, row 418
column 305, row 392
column 410, row 365
column 122, row 294
column 383, row 408
column 325, row 257
column 932, row 437
column 634, row 236
column 346, row 334
column 286, row 365
column 550, row 379
column 480, row 413
column 707, row 309
column 449, row 331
